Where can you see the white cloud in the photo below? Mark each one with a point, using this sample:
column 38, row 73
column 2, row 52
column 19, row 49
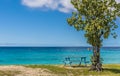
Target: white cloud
column 60, row 5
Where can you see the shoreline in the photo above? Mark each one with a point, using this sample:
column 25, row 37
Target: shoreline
column 53, row 64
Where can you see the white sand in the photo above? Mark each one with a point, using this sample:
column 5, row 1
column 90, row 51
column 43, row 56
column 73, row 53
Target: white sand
column 25, row 71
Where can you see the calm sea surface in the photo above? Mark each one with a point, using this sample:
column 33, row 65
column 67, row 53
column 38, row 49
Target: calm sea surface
column 52, row 55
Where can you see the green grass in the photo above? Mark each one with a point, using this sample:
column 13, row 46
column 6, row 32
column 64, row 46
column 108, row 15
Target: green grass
column 9, row 73
column 109, row 70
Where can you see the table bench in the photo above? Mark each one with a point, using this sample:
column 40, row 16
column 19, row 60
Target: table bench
column 71, row 60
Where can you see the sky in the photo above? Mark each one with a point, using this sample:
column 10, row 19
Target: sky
column 41, row 23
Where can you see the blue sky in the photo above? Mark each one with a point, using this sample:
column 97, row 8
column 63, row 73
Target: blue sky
column 25, row 23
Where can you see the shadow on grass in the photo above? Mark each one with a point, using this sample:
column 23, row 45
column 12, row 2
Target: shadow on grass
column 116, row 71
column 81, row 66
column 113, row 70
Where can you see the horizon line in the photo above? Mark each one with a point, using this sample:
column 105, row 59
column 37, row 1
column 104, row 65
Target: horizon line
column 56, row 46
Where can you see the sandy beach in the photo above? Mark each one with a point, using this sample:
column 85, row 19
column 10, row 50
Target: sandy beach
column 25, row 71
column 57, row 70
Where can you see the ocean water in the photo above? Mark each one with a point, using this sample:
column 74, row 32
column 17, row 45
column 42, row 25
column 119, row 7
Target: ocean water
column 52, row 55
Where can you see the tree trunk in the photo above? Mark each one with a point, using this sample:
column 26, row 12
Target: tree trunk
column 96, row 61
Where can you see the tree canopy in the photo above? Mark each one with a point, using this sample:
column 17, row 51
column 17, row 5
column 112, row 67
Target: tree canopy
column 95, row 17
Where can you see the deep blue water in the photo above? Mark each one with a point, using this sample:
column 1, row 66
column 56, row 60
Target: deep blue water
column 52, row 55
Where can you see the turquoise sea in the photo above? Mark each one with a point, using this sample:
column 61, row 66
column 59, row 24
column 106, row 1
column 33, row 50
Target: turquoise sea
column 53, row 55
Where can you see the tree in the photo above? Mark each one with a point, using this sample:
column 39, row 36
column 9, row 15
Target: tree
column 97, row 18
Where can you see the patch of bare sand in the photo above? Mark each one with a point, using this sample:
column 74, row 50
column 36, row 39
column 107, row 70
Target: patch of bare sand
column 25, row 71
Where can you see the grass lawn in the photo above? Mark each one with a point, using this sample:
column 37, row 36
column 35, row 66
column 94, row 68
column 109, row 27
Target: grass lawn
column 109, row 70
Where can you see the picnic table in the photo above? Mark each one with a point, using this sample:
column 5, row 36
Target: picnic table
column 73, row 59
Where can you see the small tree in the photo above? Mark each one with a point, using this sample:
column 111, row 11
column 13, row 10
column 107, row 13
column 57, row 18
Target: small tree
column 97, row 18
